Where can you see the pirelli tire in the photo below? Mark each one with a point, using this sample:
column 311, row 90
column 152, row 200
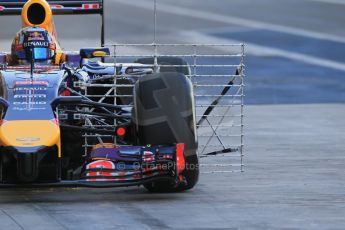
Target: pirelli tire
column 164, row 113
column 168, row 64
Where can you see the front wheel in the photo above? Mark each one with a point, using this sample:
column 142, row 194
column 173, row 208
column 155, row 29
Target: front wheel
column 191, row 175
column 164, row 114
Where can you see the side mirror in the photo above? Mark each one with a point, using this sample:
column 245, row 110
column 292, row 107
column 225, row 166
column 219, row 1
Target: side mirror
column 4, row 104
column 94, row 52
column 67, row 100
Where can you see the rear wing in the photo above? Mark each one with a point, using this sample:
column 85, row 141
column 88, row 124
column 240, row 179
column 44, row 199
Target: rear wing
column 61, row 7
column 14, row 7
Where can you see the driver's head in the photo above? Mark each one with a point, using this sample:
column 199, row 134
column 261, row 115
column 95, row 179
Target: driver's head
column 36, row 43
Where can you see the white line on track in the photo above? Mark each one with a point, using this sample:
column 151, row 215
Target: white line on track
column 258, row 50
column 340, row 2
column 205, row 15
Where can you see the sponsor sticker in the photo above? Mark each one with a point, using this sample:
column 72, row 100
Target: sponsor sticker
column 100, row 164
column 36, row 36
column 28, row 139
column 56, row 6
column 31, row 83
column 36, row 44
column 148, row 156
column 90, row 6
column 30, row 103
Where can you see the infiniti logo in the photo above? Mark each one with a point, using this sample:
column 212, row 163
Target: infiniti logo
column 28, row 139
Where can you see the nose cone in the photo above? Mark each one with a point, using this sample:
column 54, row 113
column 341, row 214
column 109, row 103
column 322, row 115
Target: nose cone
column 29, row 133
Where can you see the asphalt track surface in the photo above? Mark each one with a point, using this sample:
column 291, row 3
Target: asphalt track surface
column 294, row 175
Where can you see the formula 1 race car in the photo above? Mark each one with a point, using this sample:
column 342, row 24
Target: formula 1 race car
column 83, row 119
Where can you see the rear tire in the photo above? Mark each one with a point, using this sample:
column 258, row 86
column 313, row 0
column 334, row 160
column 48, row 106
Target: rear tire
column 179, row 65
column 164, row 114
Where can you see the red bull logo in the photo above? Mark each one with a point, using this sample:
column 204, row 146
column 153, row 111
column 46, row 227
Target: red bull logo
column 96, row 167
column 35, row 36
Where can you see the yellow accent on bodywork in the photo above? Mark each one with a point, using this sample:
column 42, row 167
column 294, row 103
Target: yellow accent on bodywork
column 99, row 54
column 30, row 133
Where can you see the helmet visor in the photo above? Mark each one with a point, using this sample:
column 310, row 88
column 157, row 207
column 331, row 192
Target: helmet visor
column 41, row 53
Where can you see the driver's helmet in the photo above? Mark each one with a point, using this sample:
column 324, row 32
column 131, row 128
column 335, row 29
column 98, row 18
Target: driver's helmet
column 33, row 43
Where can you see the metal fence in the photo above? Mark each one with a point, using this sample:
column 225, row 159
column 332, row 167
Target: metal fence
column 217, row 74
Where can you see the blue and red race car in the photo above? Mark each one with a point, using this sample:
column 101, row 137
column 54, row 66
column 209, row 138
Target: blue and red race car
column 38, row 80
column 135, row 126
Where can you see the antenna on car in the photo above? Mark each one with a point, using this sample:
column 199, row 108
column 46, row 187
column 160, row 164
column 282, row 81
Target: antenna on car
column 154, row 21
column 155, row 61
column 103, row 25
column 32, row 63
